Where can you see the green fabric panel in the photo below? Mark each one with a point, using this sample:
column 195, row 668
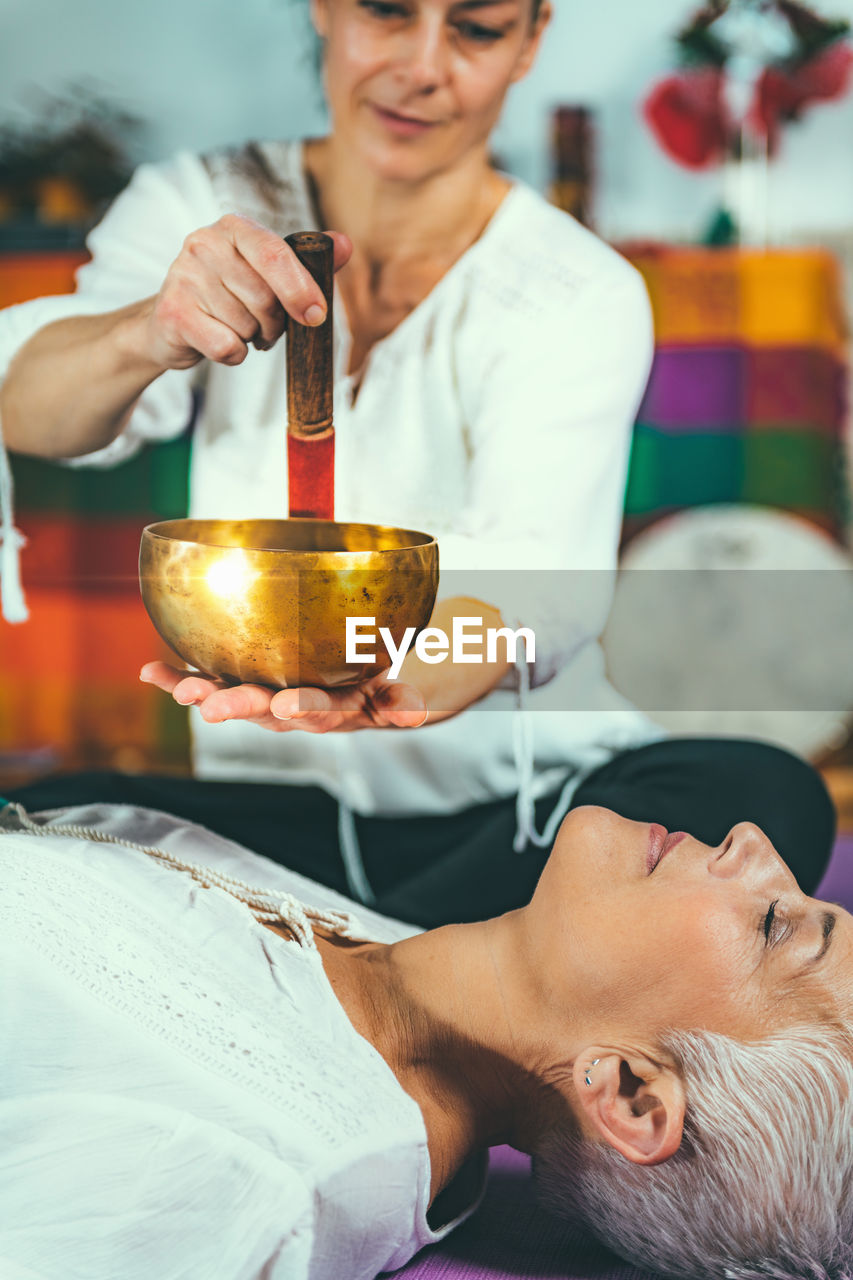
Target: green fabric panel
column 641, row 493
column 153, row 483
column 683, row 470
column 170, row 472
column 792, row 469
column 56, row 489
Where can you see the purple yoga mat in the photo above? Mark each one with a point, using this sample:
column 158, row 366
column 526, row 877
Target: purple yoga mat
column 511, row 1238
column 837, row 882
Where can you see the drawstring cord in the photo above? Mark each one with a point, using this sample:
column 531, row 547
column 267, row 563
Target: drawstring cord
column 525, row 815
column 523, row 751
column 268, row 906
column 357, row 881
column 12, row 603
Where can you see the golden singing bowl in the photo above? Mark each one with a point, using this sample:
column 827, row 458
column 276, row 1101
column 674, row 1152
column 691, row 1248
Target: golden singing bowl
column 266, row 601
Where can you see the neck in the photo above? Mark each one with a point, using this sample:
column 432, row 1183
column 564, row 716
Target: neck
column 394, row 222
column 443, row 1009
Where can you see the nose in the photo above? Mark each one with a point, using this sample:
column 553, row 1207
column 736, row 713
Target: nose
column 422, row 60
column 745, row 850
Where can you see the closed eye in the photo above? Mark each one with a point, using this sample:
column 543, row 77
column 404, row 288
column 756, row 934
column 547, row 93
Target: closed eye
column 381, row 8
column 768, row 920
column 475, row 32
column 784, row 928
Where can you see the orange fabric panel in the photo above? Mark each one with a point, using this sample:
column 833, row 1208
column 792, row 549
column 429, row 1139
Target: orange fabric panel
column 116, row 639
column 47, row 645
column 791, row 298
column 694, row 296
column 784, row 297
column 70, row 673
column 38, row 660
column 37, row 714
column 37, row 275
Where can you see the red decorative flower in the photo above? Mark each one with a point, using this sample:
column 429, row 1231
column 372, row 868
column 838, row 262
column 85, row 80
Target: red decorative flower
column 687, row 116
column 782, row 96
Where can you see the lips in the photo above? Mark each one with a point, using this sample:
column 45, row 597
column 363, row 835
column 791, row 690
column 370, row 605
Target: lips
column 657, row 837
column 398, row 115
column 660, row 843
column 403, row 126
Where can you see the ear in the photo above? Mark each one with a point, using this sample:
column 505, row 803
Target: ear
column 531, row 47
column 319, row 17
column 631, row 1102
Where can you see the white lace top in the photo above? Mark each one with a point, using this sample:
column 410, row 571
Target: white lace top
column 181, row 1094
column 497, row 416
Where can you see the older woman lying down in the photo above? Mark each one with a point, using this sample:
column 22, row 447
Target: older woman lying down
column 204, row 1076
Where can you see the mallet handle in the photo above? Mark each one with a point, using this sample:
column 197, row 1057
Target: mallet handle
column 310, row 390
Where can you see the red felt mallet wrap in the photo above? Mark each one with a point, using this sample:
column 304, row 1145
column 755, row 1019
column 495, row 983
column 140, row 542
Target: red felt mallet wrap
column 310, row 389
column 311, row 475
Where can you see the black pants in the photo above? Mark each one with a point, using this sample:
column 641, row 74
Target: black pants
column 457, row 867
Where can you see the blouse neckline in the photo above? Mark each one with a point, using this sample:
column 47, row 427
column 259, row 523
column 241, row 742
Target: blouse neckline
column 476, row 1165
column 340, row 320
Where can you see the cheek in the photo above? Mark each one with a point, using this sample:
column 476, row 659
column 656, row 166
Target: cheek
column 709, row 966
column 352, row 57
column 678, row 965
column 480, row 88
column 703, row 976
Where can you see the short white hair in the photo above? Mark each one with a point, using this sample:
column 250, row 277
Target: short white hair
column 762, row 1184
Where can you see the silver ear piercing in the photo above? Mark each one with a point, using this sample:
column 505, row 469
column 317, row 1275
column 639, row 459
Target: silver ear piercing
column 586, row 1076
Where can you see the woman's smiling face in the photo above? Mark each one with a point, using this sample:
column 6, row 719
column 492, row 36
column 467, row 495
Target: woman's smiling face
column 444, row 66
column 718, row 938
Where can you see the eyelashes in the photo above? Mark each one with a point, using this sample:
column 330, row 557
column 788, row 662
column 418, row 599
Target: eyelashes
column 468, row 30
column 769, row 920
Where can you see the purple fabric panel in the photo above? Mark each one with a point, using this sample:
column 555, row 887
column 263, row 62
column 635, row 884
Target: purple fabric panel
column 510, row 1238
column 795, row 386
column 837, row 882
column 691, row 388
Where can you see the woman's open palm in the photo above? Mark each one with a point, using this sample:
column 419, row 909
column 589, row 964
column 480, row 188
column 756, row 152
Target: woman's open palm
column 377, row 703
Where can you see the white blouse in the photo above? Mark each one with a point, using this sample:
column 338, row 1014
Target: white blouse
column 181, row 1094
column 496, row 416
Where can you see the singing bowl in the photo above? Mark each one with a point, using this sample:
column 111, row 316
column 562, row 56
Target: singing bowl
column 266, row 601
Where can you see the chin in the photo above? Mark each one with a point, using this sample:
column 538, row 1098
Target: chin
column 390, row 165
column 593, row 837
column 405, row 159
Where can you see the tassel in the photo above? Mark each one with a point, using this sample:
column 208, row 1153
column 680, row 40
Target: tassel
column 12, row 603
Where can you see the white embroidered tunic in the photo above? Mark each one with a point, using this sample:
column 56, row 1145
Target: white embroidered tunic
column 181, row 1094
column 496, row 416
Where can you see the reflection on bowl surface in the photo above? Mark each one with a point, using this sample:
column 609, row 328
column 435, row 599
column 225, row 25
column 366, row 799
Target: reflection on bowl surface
column 266, row 601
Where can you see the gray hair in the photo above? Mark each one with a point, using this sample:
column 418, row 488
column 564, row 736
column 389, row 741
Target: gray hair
column 762, row 1184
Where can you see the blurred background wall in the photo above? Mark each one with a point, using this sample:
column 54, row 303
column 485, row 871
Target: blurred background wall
column 206, row 72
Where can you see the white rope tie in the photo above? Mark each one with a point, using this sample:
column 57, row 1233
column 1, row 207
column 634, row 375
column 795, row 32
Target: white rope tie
column 12, row 603
column 357, row 881
column 268, row 906
column 522, row 743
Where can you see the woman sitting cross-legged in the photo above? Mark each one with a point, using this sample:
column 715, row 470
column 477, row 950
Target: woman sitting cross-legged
column 203, row 1078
